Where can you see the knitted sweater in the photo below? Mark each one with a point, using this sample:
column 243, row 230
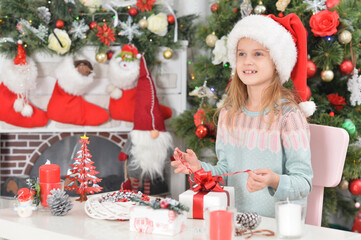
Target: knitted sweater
column 283, row 147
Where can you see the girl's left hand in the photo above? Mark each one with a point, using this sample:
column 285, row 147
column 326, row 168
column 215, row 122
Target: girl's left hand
column 261, row 178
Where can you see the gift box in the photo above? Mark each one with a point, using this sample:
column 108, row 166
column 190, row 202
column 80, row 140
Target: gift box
column 158, row 221
column 199, row 201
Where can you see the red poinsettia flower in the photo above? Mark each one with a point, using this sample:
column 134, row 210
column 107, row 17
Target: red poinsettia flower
column 338, row 101
column 105, row 34
column 145, row 5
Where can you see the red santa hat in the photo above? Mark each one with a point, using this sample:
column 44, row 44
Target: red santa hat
column 286, row 39
column 20, row 58
column 129, row 53
column 147, row 112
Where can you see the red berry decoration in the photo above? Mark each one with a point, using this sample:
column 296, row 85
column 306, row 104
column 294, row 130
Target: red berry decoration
column 92, row 25
column 308, row 93
column 311, row 69
column 201, row 131
column 133, row 11
column 163, row 203
column 332, row 114
column 171, row 19
column 346, row 67
column 280, row 14
column 235, row 10
column 355, row 187
column 59, row 24
column 110, row 54
column 214, row 7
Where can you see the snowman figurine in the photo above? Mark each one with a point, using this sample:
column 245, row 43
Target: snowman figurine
column 25, row 207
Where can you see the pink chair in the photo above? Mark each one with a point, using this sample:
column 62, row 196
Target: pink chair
column 328, row 152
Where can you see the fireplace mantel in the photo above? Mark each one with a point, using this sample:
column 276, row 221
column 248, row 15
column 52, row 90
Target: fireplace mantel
column 170, row 78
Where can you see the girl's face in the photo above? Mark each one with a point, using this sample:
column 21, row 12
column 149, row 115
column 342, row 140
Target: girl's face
column 255, row 67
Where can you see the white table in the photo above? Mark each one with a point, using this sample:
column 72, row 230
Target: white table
column 77, row 225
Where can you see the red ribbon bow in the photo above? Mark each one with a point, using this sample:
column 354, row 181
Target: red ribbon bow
column 204, row 181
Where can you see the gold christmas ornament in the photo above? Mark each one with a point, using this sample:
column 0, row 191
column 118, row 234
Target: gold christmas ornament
column 211, row 39
column 343, row 184
column 327, row 75
column 345, row 37
column 168, row 54
column 143, row 23
column 282, row 5
column 260, row 8
column 101, row 57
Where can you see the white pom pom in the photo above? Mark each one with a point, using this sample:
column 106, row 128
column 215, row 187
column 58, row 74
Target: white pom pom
column 20, row 41
column 116, row 93
column 27, row 111
column 18, row 105
column 110, row 88
column 139, row 55
column 308, row 108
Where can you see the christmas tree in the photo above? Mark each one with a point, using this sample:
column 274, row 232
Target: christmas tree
column 333, row 71
column 82, row 176
column 66, row 26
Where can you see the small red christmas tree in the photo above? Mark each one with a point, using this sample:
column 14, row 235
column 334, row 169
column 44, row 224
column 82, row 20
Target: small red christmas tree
column 83, row 173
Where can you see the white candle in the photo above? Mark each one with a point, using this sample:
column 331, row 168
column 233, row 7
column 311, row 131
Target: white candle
column 289, row 220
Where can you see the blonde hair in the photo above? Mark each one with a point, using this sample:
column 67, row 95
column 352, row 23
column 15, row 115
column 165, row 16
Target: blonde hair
column 237, row 96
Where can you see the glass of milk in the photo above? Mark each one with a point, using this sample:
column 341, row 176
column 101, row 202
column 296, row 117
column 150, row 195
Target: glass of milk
column 290, row 218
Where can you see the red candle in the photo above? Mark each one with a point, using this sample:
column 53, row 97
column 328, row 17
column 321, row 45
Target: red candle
column 49, row 178
column 221, row 225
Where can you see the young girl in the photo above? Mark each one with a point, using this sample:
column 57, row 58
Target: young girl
column 261, row 127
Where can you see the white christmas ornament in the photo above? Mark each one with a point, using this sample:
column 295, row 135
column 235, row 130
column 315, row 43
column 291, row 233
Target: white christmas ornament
column 129, row 29
column 316, row 5
column 78, row 29
column 69, row 1
column 158, row 24
column 354, row 86
column 220, row 51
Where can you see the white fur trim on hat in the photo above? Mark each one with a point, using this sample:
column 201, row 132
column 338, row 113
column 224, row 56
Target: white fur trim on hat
column 308, row 108
column 70, row 80
column 271, row 35
column 20, row 78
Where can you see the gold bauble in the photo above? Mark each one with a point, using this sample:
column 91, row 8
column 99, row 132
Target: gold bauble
column 168, row 54
column 343, row 184
column 211, row 39
column 101, row 57
column 260, row 9
column 327, row 75
column 345, row 37
column 143, row 23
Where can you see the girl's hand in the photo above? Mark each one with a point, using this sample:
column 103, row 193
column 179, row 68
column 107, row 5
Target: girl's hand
column 191, row 161
column 261, row 178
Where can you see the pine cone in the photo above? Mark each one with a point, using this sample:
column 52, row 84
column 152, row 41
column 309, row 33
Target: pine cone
column 248, row 220
column 59, row 202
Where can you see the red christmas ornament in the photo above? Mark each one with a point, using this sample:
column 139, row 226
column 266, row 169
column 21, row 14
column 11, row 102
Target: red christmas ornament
column 235, row 10
column 163, row 203
column 92, row 25
column 171, row 19
column 311, row 69
column 201, row 131
column 355, row 187
column 346, row 67
column 332, row 114
column 110, row 54
column 308, row 93
column 59, row 24
column 280, row 14
column 214, row 7
column 133, row 11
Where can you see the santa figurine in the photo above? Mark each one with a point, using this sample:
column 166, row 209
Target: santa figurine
column 123, row 74
column 19, row 77
column 149, row 145
column 66, row 104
